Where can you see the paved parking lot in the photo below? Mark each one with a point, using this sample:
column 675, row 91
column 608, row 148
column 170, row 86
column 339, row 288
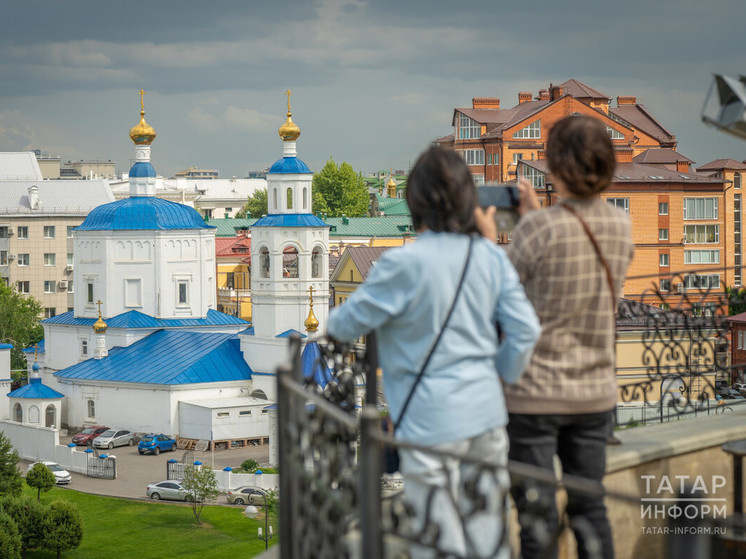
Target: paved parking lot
column 135, row 472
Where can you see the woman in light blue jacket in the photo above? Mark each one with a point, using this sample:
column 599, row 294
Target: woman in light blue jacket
column 458, row 404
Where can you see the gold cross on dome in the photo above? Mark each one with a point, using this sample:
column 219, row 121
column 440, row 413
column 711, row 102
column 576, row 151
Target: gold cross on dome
column 288, row 93
column 99, row 303
column 310, row 294
column 142, row 99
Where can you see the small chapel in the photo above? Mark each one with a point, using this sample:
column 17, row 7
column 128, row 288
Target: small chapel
column 144, row 347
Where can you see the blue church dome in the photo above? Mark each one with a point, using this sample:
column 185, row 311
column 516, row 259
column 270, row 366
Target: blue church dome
column 289, row 165
column 143, row 213
column 142, row 169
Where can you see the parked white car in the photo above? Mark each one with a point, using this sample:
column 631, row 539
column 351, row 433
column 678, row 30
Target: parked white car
column 60, row 473
column 114, row 437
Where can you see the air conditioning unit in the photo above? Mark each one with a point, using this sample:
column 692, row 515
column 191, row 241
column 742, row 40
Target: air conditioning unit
column 62, row 285
column 11, row 257
column 69, row 268
column 11, row 232
column 680, row 287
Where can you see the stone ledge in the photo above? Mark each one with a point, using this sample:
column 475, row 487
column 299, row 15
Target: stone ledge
column 661, row 440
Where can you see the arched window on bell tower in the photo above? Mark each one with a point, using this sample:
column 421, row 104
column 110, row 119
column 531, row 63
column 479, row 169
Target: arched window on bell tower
column 274, row 199
column 305, row 198
column 290, row 198
column 290, row 262
column 264, row 262
column 316, row 262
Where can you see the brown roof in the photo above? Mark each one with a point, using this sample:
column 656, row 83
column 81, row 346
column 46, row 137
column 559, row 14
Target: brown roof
column 660, row 155
column 581, row 91
column 719, row 164
column 636, row 172
column 516, row 115
column 231, row 246
column 364, row 257
column 639, row 117
column 483, row 116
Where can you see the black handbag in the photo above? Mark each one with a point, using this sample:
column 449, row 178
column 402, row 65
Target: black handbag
column 391, row 453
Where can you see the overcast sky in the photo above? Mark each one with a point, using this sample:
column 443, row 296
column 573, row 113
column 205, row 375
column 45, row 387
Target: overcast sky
column 373, row 81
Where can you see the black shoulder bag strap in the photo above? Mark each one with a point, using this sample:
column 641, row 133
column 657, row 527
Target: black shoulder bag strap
column 437, row 339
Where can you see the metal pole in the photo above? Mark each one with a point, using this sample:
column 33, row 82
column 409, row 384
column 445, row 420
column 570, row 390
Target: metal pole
column 369, row 468
column 371, row 355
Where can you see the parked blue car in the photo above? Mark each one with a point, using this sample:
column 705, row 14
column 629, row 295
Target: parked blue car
column 155, row 443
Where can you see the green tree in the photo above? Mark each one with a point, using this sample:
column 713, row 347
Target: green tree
column 10, row 539
column 11, row 482
column 201, row 486
column 19, row 323
column 339, row 190
column 256, row 206
column 40, row 478
column 736, row 300
column 31, row 518
column 65, row 530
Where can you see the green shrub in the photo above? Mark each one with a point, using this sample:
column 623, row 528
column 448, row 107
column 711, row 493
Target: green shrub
column 10, row 539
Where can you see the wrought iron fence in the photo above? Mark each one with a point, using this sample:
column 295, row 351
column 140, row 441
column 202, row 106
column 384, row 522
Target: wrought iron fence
column 175, row 468
column 331, row 443
column 101, row 466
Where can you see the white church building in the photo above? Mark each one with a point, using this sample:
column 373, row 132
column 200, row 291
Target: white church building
column 145, row 348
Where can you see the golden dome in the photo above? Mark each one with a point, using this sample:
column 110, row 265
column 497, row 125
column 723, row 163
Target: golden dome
column 311, row 323
column 289, row 131
column 143, row 133
column 391, row 187
column 100, row 327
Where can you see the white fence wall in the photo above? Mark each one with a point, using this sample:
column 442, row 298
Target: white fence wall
column 43, row 443
column 229, row 480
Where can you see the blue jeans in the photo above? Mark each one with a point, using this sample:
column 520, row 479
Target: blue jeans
column 580, row 442
column 468, row 505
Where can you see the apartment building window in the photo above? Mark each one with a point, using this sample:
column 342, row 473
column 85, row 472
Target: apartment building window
column 614, row 134
column 70, row 258
column 473, row 156
column 701, row 257
column 23, row 232
column 230, row 279
column 701, row 234
column 49, row 286
column 700, row 208
column 50, row 259
column 478, row 180
column 736, row 180
column 665, row 285
column 24, row 286
column 3, row 257
column 49, row 231
column 24, row 259
column 662, row 208
column 517, row 157
column 696, row 281
column 532, row 131
column 534, row 176
column 489, row 159
column 70, row 231
column 49, row 312
column 495, row 158
column 662, row 234
column 621, row 203
column 468, row 129
column 663, row 259
column 70, row 286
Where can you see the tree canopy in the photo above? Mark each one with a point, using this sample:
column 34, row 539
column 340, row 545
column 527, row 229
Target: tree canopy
column 256, row 206
column 40, row 478
column 11, row 482
column 19, row 323
column 201, row 486
column 65, row 527
column 31, row 518
column 339, row 190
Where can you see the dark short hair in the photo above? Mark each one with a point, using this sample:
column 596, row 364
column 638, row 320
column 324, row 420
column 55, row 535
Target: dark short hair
column 440, row 192
column 581, row 155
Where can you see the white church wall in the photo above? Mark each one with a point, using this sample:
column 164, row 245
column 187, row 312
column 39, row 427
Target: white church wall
column 32, row 442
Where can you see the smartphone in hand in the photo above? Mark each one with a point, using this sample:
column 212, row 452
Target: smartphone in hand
column 505, row 198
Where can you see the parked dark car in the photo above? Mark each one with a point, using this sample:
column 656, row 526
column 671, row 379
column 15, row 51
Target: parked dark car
column 86, row 436
column 154, row 444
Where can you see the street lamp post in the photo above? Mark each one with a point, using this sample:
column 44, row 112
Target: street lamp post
column 267, row 529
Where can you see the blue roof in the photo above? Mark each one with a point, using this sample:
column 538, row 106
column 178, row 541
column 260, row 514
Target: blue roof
column 288, row 333
column 290, row 165
column 142, row 169
column 289, row 220
column 6, row 346
column 314, row 365
column 143, row 213
column 35, row 389
column 39, row 350
column 168, row 357
column 136, row 319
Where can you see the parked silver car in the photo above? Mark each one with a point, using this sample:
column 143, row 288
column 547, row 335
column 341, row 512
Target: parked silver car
column 169, row 489
column 114, row 437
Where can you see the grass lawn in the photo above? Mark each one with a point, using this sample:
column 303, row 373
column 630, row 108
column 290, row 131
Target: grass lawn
column 121, row 529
